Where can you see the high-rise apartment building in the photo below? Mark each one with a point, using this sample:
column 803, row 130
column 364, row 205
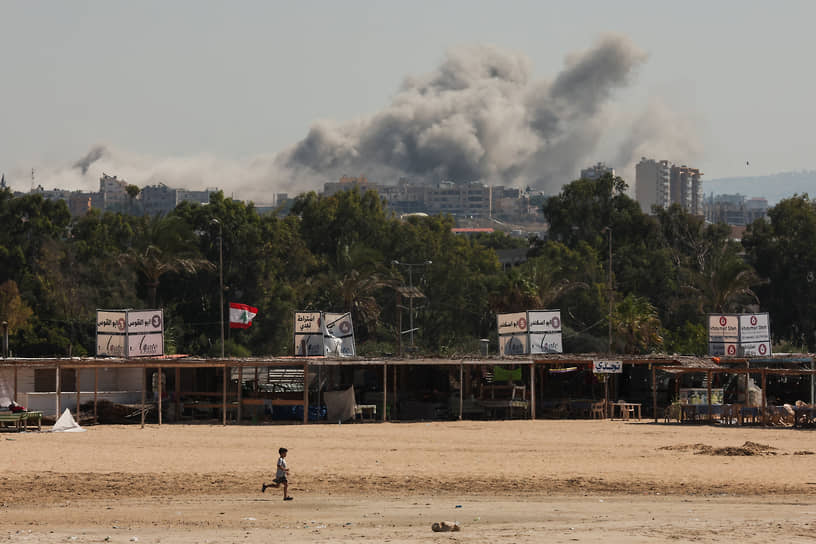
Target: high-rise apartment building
column 652, row 184
column 687, row 188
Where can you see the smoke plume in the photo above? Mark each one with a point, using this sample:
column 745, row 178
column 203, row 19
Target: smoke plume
column 479, row 115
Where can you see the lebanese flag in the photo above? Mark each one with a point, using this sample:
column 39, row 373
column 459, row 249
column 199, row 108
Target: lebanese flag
column 241, row 315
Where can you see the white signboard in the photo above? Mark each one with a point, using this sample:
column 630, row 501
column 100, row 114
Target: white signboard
column 739, row 335
column 129, row 333
column 513, row 344
column 145, row 345
column 512, row 323
column 719, row 349
column 756, row 349
column 144, row 321
column 547, row 342
column 339, row 327
column 545, row 331
column 607, row 367
column 754, row 328
column 112, row 345
column 544, row 320
column 723, row 328
column 309, row 345
column 308, row 323
column 111, row 321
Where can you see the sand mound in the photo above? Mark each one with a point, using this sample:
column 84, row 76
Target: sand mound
column 748, row 448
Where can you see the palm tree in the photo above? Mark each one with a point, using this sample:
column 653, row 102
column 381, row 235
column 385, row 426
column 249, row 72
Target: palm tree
column 724, row 282
column 636, row 325
column 164, row 244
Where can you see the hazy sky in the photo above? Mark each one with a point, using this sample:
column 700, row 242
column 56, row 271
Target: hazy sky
column 215, row 90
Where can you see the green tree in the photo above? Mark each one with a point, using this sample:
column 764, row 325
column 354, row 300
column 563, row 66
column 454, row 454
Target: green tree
column 163, row 244
column 783, row 250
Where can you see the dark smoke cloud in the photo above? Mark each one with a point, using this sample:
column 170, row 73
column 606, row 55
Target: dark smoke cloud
column 96, row 153
column 478, row 116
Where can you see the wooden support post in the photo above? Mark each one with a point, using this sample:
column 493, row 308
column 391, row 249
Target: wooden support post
column 144, row 387
column 159, row 374
column 76, row 379
column 396, row 396
column 15, row 383
column 708, row 381
column 224, row 396
column 385, row 392
column 654, row 391
column 96, row 394
column 178, row 393
column 306, row 393
column 532, row 390
column 59, row 394
column 461, row 389
column 764, row 397
column 241, row 390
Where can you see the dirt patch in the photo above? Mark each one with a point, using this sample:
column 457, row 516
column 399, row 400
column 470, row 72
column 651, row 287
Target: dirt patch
column 748, row 448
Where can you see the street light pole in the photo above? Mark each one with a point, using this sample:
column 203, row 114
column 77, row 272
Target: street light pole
column 221, row 277
column 609, row 231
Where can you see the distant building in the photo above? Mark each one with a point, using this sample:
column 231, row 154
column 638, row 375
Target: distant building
column 347, row 183
column 735, row 210
column 161, row 199
column 597, row 171
column 114, row 193
column 652, row 184
column 158, row 199
column 686, row 188
column 661, row 184
column 755, row 208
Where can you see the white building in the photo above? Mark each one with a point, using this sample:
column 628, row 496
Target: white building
column 652, row 184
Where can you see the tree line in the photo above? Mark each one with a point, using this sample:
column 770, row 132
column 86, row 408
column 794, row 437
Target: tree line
column 603, row 261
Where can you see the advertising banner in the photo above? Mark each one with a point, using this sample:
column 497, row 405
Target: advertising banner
column 719, row 349
column 308, row 323
column 513, row 344
column 112, row 345
column 547, row 342
column 512, row 323
column 309, row 345
column 145, row 345
column 754, row 328
column 144, row 321
column 755, row 349
column 544, row 320
column 339, row 337
column 111, row 321
column 723, row 328
column 129, row 333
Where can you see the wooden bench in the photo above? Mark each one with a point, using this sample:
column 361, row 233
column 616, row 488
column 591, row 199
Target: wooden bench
column 8, row 420
column 20, row 420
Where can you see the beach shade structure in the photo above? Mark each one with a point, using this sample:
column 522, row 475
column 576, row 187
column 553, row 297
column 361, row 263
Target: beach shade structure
column 67, row 424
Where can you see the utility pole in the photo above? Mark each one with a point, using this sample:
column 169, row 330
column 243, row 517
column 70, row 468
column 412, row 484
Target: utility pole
column 221, row 277
column 411, row 293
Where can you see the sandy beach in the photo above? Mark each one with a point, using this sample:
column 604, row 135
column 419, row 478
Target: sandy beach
column 503, row 481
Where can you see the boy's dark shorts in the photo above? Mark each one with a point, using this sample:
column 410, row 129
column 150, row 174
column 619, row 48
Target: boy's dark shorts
column 281, row 480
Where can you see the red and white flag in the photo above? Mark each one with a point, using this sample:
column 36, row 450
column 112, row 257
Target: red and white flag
column 241, row 315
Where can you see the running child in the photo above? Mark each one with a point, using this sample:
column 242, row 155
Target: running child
column 281, row 476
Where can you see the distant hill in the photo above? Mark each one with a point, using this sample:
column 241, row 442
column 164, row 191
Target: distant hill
column 774, row 187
